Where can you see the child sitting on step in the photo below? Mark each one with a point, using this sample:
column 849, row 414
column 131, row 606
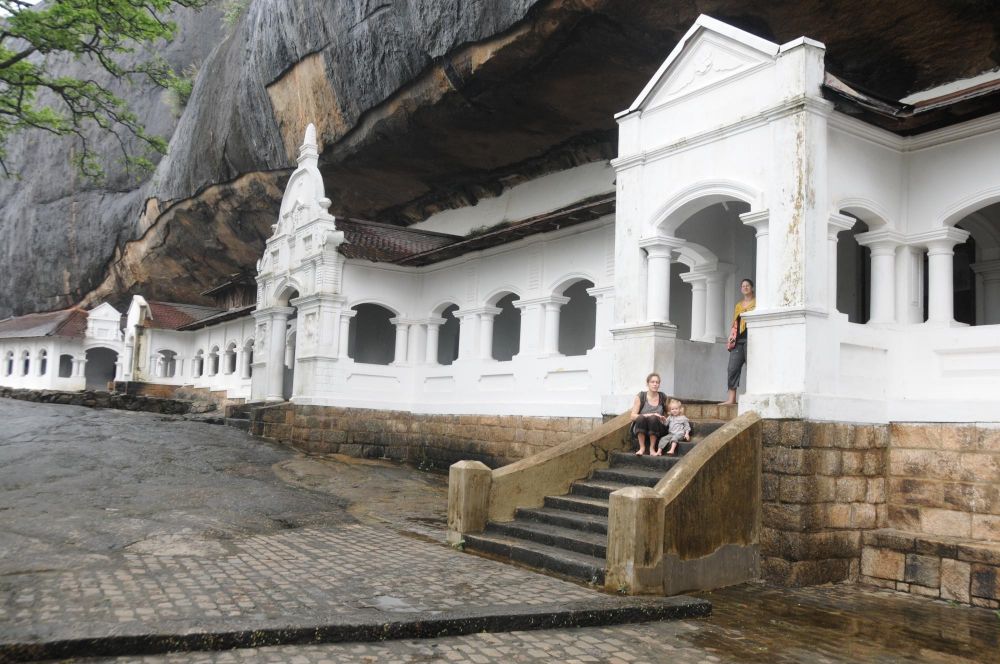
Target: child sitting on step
column 678, row 428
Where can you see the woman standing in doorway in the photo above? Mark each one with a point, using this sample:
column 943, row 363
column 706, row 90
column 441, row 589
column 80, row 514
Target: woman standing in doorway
column 737, row 344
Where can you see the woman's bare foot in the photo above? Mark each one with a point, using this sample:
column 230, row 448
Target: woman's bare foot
column 640, row 452
column 656, row 453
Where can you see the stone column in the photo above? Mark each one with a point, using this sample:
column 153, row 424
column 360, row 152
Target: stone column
column 486, row 315
column 468, row 498
column 552, row 308
column 883, row 246
column 604, row 315
column 760, row 222
column 276, row 319
column 716, row 323
column 659, row 253
column 345, row 331
column 699, row 308
column 834, row 226
column 402, row 340
column 988, row 299
column 635, row 542
column 433, row 332
column 941, row 288
column 417, row 343
column 532, row 340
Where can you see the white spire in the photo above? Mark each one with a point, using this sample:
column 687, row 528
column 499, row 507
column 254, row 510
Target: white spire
column 309, row 149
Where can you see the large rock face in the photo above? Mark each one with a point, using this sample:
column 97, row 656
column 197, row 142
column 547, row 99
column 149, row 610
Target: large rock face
column 420, row 106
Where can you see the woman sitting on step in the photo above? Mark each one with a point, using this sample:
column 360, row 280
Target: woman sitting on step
column 647, row 409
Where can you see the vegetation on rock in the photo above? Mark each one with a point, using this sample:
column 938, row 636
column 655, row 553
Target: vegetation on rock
column 33, row 95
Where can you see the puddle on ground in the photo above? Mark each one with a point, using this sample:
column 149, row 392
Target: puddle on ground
column 389, row 604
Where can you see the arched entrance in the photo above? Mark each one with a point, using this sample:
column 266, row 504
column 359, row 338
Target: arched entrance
column 976, row 268
column 100, row 368
column 371, row 338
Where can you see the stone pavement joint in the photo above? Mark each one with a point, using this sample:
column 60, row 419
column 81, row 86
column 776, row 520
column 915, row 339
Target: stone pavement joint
column 589, row 613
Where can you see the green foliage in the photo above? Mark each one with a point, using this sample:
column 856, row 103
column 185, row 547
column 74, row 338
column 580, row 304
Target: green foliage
column 233, row 10
column 179, row 87
column 97, row 32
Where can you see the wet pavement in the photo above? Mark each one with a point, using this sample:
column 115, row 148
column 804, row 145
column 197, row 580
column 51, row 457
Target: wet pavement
column 115, row 523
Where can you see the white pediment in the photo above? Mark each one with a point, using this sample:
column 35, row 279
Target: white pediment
column 710, row 53
column 104, row 312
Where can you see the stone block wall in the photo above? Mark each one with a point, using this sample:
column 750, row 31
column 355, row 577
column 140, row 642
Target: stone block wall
column 943, row 514
column 114, row 400
column 954, row 569
column 428, row 440
column 944, row 480
column 823, row 486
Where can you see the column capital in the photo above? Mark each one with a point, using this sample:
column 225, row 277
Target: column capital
column 402, row 320
column 989, row 270
column 693, row 278
column 319, row 298
column 544, row 300
column 661, row 246
column 433, row 322
column 601, row 291
column 839, row 222
column 268, row 313
column 758, row 220
column 882, row 242
column 940, row 240
column 477, row 311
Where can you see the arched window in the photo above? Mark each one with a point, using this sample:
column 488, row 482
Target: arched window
column 213, row 361
column 199, row 364
column 65, row 366
column 8, row 363
column 976, row 268
column 854, row 263
column 167, row 363
column 247, row 370
column 371, row 338
column 577, row 320
column 230, row 363
column 43, row 362
column 506, row 329
column 448, row 336
column 25, row 363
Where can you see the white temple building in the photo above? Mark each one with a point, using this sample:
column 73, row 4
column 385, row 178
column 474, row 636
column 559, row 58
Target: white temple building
column 876, row 256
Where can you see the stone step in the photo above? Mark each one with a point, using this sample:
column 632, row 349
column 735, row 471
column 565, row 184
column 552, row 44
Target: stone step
column 581, row 504
column 578, row 541
column 591, row 523
column 627, row 475
column 540, row 556
column 594, row 489
column 650, row 463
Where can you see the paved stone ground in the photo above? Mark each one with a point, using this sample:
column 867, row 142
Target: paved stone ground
column 117, row 523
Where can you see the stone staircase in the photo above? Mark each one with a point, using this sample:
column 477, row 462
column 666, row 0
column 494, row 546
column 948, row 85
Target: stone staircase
column 568, row 535
column 238, row 415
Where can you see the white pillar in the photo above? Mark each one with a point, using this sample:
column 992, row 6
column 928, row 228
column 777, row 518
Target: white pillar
column 402, row 340
column 760, row 222
column 882, row 245
column 941, row 288
column 715, row 304
column 486, row 315
column 699, row 303
column 417, row 343
column 433, row 334
column 659, row 252
column 988, row 299
column 836, row 224
column 604, row 315
column 345, row 330
column 277, row 321
column 553, row 308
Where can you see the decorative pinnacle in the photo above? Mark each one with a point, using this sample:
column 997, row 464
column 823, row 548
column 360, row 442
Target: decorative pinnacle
column 309, row 148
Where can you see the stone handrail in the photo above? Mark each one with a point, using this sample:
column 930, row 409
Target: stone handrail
column 699, row 528
column 477, row 494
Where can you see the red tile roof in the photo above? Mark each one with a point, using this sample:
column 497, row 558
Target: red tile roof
column 66, row 323
column 174, row 315
column 385, row 243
